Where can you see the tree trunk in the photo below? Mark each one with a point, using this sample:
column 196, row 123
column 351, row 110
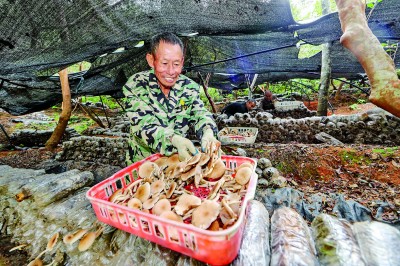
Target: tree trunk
column 322, row 109
column 58, row 132
column 359, row 39
column 204, row 83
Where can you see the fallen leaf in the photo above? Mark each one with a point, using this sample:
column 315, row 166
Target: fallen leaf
column 353, row 185
column 396, row 164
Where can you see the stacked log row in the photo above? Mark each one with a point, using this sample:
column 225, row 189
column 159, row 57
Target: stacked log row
column 37, row 138
column 104, row 150
column 375, row 128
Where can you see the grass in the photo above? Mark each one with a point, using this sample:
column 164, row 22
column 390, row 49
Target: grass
column 387, row 152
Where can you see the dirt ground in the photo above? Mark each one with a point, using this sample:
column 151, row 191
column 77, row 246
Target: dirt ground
column 367, row 174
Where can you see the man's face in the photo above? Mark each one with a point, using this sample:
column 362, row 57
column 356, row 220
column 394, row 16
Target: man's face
column 250, row 105
column 167, row 63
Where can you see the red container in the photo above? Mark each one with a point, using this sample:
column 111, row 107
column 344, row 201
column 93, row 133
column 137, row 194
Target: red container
column 213, row 247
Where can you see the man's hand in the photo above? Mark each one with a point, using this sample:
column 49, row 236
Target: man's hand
column 185, row 147
column 208, row 137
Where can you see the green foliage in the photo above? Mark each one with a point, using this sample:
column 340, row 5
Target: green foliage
column 372, row 3
column 361, row 101
column 387, row 152
column 308, row 50
column 352, row 158
column 76, row 67
column 354, row 106
column 107, row 100
column 35, row 126
column 83, row 125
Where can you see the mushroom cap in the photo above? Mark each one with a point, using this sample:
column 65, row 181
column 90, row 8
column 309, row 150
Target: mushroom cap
column 115, row 194
column 161, row 206
column 143, row 192
column 148, row 204
column 171, row 190
column 170, row 215
column 205, row 214
column 186, row 202
column 161, row 162
column 214, row 226
column 147, row 169
column 36, row 262
column 246, row 164
column 203, row 159
column 218, row 170
column 172, row 161
column 243, row 175
column 135, row 203
column 157, row 187
column 52, row 242
column 72, row 238
column 87, row 241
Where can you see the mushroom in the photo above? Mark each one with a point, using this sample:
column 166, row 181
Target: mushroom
column 171, row 190
column 161, row 162
column 203, row 159
column 148, row 204
column 218, row 170
column 161, row 206
column 215, row 190
column 205, row 214
column 188, row 174
column 143, row 192
column 157, row 187
column 52, row 242
column 172, row 161
column 214, row 226
column 243, row 175
column 170, row 215
column 115, row 195
column 186, row 202
column 147, row 169
column 36, row 262
column 72, row 238
column 135, row 203
column 244, row 165
column 87, row 241
column 226, row 218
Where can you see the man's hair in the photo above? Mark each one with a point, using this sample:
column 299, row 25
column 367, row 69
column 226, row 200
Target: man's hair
column 167, row 37
column 251, row 100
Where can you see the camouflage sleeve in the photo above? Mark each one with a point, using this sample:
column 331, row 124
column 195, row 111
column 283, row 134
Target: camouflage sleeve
column 201, row 117
column 147, row 125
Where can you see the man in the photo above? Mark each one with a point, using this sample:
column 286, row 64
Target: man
column 161, row 104
column 239, row 107
column 267, row 103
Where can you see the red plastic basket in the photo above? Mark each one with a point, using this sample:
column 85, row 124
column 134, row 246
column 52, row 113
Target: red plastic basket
column 213, row 247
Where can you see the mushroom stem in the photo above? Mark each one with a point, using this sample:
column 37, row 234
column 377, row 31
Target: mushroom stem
column 228, row 209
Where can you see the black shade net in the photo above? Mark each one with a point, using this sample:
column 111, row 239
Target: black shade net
column 227, row 38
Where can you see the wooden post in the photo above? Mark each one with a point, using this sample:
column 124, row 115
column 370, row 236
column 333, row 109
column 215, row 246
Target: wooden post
column 58, row 132
column 380, row 68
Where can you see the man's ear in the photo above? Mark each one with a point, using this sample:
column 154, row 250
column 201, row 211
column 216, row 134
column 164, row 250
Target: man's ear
column 150, row 59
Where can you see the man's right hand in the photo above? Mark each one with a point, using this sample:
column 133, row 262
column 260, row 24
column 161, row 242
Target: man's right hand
column 185, row 147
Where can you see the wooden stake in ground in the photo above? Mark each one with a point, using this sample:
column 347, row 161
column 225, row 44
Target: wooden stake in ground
column 58, row 132
column 380, row 68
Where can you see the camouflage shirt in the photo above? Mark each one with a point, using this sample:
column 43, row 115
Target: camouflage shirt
column 155, row 118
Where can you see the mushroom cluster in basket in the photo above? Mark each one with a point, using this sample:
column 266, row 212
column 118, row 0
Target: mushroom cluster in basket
column 201, row 191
